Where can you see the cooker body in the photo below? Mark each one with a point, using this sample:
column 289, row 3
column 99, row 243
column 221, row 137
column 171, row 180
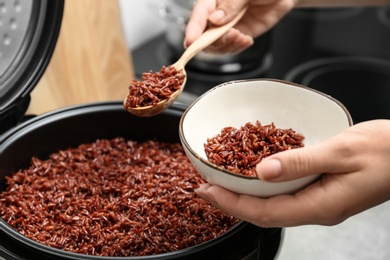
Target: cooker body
column 70, row 127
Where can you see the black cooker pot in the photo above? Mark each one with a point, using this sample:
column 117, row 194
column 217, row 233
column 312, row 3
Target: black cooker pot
column 70, row 127
column 362, row 84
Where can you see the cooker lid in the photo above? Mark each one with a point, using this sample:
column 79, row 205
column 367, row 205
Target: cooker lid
column 28, row 33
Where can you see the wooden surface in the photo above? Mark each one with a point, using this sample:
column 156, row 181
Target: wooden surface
column 91, row 61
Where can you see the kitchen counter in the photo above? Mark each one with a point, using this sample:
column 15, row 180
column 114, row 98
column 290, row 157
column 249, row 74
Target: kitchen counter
column 364, row 236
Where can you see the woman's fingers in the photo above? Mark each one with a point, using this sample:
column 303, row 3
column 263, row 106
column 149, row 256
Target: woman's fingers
column 198, row 20
column 279, row 211
column 237, row 42
column 226, row 10
column 209, row 11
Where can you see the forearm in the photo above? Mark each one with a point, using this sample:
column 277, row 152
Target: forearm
column 341, row 3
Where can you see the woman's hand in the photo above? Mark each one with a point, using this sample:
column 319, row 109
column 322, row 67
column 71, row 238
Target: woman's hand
column 261, row 15
column 356, row 176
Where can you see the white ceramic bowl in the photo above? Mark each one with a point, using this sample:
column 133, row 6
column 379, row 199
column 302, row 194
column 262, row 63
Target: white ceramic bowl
column 314, row 114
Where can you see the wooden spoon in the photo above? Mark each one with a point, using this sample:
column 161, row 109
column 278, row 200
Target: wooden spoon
column 207, row 38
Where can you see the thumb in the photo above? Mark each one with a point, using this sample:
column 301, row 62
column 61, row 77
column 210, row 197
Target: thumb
column 226, row 11
column 302, row 162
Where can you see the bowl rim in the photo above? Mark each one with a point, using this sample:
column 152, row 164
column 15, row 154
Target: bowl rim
column 220, row 168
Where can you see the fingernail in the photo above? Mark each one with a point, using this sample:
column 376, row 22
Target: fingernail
column 269, row 169
column 203, row 192
column 217, row 15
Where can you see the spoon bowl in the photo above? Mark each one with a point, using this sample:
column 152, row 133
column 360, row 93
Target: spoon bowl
column 148, row 111
column 208, row 37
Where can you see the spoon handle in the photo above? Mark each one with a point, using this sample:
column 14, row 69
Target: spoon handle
column 207, row 38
